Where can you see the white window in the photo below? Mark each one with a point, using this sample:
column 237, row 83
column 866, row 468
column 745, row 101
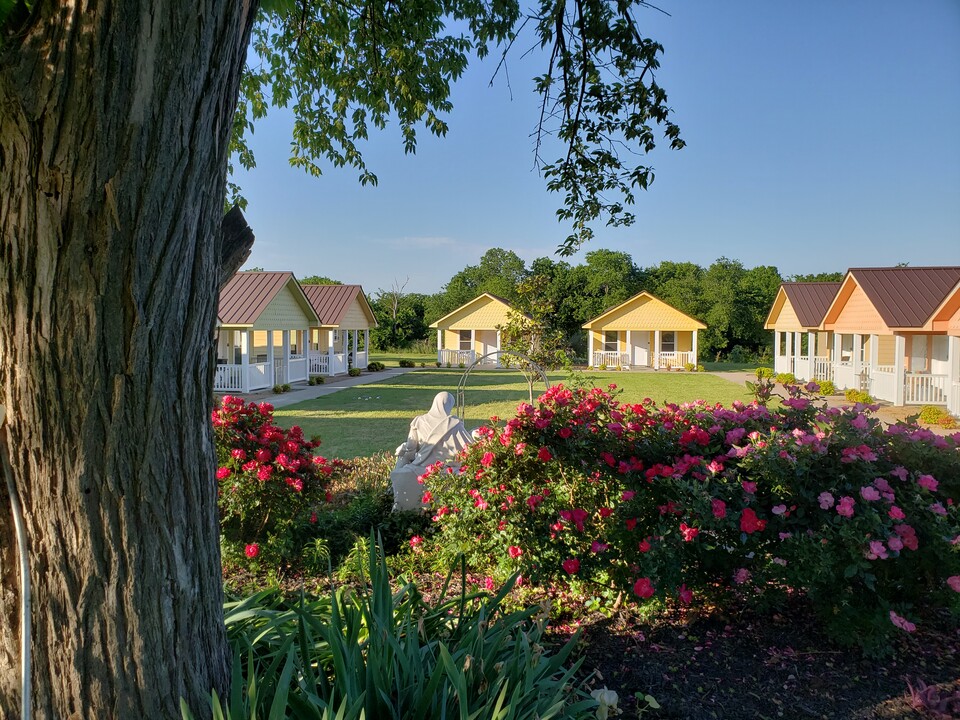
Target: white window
column 611, row 341
column 668, row 341
column 466, row 340
column 846, row 348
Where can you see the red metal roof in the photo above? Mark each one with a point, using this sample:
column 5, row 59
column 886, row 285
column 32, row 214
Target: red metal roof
column 906, row 296
column 810, row 300
column 331, row 302
column 247, row 294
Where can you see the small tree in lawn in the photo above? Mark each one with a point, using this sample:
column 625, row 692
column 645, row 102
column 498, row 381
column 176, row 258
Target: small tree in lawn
column 528, row 339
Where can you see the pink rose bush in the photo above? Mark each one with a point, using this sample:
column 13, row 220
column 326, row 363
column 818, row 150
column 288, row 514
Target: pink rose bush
column 269, row 482
column 688, row 501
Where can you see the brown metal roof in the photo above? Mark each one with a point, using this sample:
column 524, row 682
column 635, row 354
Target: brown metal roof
column 810, row 300
column 331, row 302
column 906, row 296
column 247, row 294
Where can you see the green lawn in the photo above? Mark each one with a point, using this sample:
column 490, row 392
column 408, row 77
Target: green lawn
column 393, row 359
column 367, row 419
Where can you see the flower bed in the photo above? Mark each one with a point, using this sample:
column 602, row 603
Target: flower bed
column 694, row 501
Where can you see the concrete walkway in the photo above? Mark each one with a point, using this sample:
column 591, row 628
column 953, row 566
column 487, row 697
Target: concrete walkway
column 302, row 391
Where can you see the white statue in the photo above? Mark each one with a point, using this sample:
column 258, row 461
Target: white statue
column 436, row 435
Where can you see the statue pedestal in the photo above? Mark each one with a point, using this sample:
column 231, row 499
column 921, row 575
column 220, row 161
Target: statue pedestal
column 407, row 492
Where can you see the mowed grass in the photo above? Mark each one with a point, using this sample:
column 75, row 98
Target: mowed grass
column 363, row 420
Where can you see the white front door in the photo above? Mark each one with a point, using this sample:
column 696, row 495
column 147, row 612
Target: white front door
column 918, row 353
column 640, row 350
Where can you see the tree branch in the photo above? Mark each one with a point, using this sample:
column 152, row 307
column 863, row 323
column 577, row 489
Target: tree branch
column 236, row 241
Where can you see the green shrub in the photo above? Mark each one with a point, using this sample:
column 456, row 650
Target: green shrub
column 931, row 414
column 786, row 378
column 461, row 365
column 269, row 484
column 764, row 373
column 316, row 380
column 374, row 653
column 701, row 368
column 690, row 499
column 689, row 367
column 423, row 364
column 858, row 396
column 407, row 363
column 277, row 389
column 375, row 366
column 354, row 372
column 827, row 387
column 438, row 363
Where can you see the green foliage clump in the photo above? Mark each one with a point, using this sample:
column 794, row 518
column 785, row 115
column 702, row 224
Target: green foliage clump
column 407, row 363
column 696, row 501
column 827, row 387
column 316, row 380
column 857, row 396
column 375, row 653
column 786, row 378
column 354, row 372
column 934, row 415
column 689, row 367
column 375, row 366
column 764, row 373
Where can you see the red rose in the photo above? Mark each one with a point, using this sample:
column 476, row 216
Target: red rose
column 252, row 550
column 544, row 455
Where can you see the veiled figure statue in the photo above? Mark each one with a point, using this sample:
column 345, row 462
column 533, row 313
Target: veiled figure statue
column 435, row 435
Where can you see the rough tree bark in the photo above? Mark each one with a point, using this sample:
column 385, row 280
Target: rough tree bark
column 114, row 126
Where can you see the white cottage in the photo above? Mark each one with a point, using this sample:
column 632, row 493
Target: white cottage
column 340, row 338
column 263, row 322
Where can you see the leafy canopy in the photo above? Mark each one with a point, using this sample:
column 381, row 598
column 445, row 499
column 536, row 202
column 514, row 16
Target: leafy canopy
column 344, row 67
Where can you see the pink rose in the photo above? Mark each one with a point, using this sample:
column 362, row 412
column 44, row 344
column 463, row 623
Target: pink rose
column 643, row 588
column 571, row 566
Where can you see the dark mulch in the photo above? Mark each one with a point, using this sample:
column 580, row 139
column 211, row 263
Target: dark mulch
column 761, row 666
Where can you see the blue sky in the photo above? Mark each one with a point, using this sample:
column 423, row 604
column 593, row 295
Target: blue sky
column 820, row 135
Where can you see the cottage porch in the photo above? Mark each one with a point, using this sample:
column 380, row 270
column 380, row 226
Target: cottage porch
column 903, row 369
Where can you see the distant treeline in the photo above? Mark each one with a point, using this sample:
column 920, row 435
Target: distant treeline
column 733, row 301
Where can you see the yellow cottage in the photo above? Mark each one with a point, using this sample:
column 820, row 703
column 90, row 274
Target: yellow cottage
column 471, row 331
column 644, row 331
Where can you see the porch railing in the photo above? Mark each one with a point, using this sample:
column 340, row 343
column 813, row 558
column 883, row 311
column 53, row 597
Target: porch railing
column 319, row 364
column 455, row 357
column 298, row 368
column 675, row 359
column 259, row 374
column 925, row 389
column 228, row 378
column 883, row 383
column 610, row 359
column 822, row 368
column 360, row 359
column 954, row 405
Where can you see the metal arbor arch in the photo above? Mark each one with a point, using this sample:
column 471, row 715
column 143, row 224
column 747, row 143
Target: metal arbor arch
column 462, row 385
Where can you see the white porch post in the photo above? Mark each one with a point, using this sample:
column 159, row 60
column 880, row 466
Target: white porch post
column 693, row 349
column 285, row 335
column 874, row 351
column 790, row 353
column 590, row 347
column 498, row 348
column 656, row 349
column 439, row 345
column 473, row 345
column 366, row 343
column 837, row 344
column 857, row 362
column 330, row 352
column 899, row 358
column 953, row 374
column 811, row 355
column 355, row 348
column 245, row 360
column 270, row 359
column 628, row 349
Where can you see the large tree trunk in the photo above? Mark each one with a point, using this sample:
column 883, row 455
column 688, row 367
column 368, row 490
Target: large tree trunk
column 114, row 125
